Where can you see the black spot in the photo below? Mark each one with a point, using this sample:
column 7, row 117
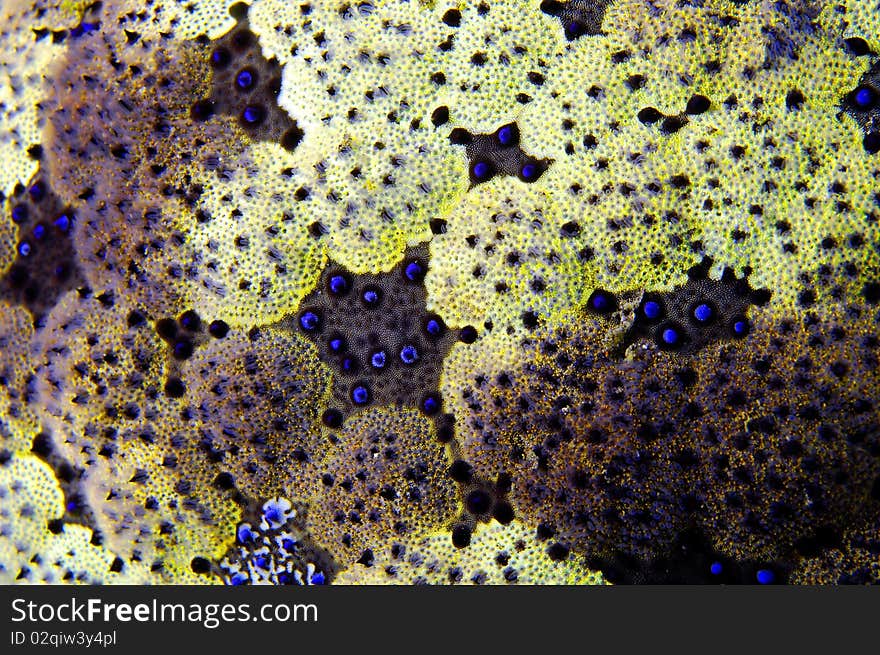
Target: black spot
column 452, row 18
column 871, row 292
column 175, row 388
column 135, row 318
column 697, row 105
column 292, row 138
column 530, row 320
column 503, row 512
column 190, row 321
column 167, row 329
column 224, row 480
column 478, row 502
column 461, row 471
column 649, row 115
column 200, row 565
column 218, row 329
column 460, row 136
column 570, row 229
column 461, row 536
column 332, row 418
column 467, row 334
column 557, row 552
column 794, row 100
column 202, row 110
column 42, row 445
column 672, row 124
column 440, row 116
column 857, row 46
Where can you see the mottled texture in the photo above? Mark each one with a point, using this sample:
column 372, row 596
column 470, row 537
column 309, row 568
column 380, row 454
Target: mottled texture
column 647, row 233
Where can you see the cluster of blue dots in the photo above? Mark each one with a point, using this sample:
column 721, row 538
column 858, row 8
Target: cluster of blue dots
column 762, row 576
column 40, row 232
column 314, row 321
column 490, row 158
column 246, row 80
column 668, row 334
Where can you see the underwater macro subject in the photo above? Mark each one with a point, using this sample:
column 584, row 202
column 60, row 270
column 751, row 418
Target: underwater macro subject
column 508, row 292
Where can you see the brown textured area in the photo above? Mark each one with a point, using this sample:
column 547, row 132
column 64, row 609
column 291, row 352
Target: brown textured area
column 755, row 446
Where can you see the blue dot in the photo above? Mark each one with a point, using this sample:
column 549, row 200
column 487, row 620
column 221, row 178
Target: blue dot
column 506, row 135
column 670, row 336
column 24, row 249
column 481, row 170
column 317, row 578
column 62, row 222
column 83, row 28
column 252, row 114
column 244, row 80
column 288, row 544
column 601, row 301
column 273, row 514
column 431, row 404
column 864, row 97
column 740, row 327
column 220, row 57
column 573, row 28
column 245, row 534
column 765, row 576
column 238, row 579
column 86, row 28
column 261, row 562
column 39, row 231
column 183, row 349
column 371, row 297
column 360, row 395
column 37, row 191
column 652, row 310
column 19, row 213
column 336, row 344
column 309, row 321
column 704, row 313
column 409, row 354
column 338, row 285
column 348, row 365
column 284, row 578
column 378, row 359
column 433, row 327
column 715, row 569
column 529, row 171
column 414, row 271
